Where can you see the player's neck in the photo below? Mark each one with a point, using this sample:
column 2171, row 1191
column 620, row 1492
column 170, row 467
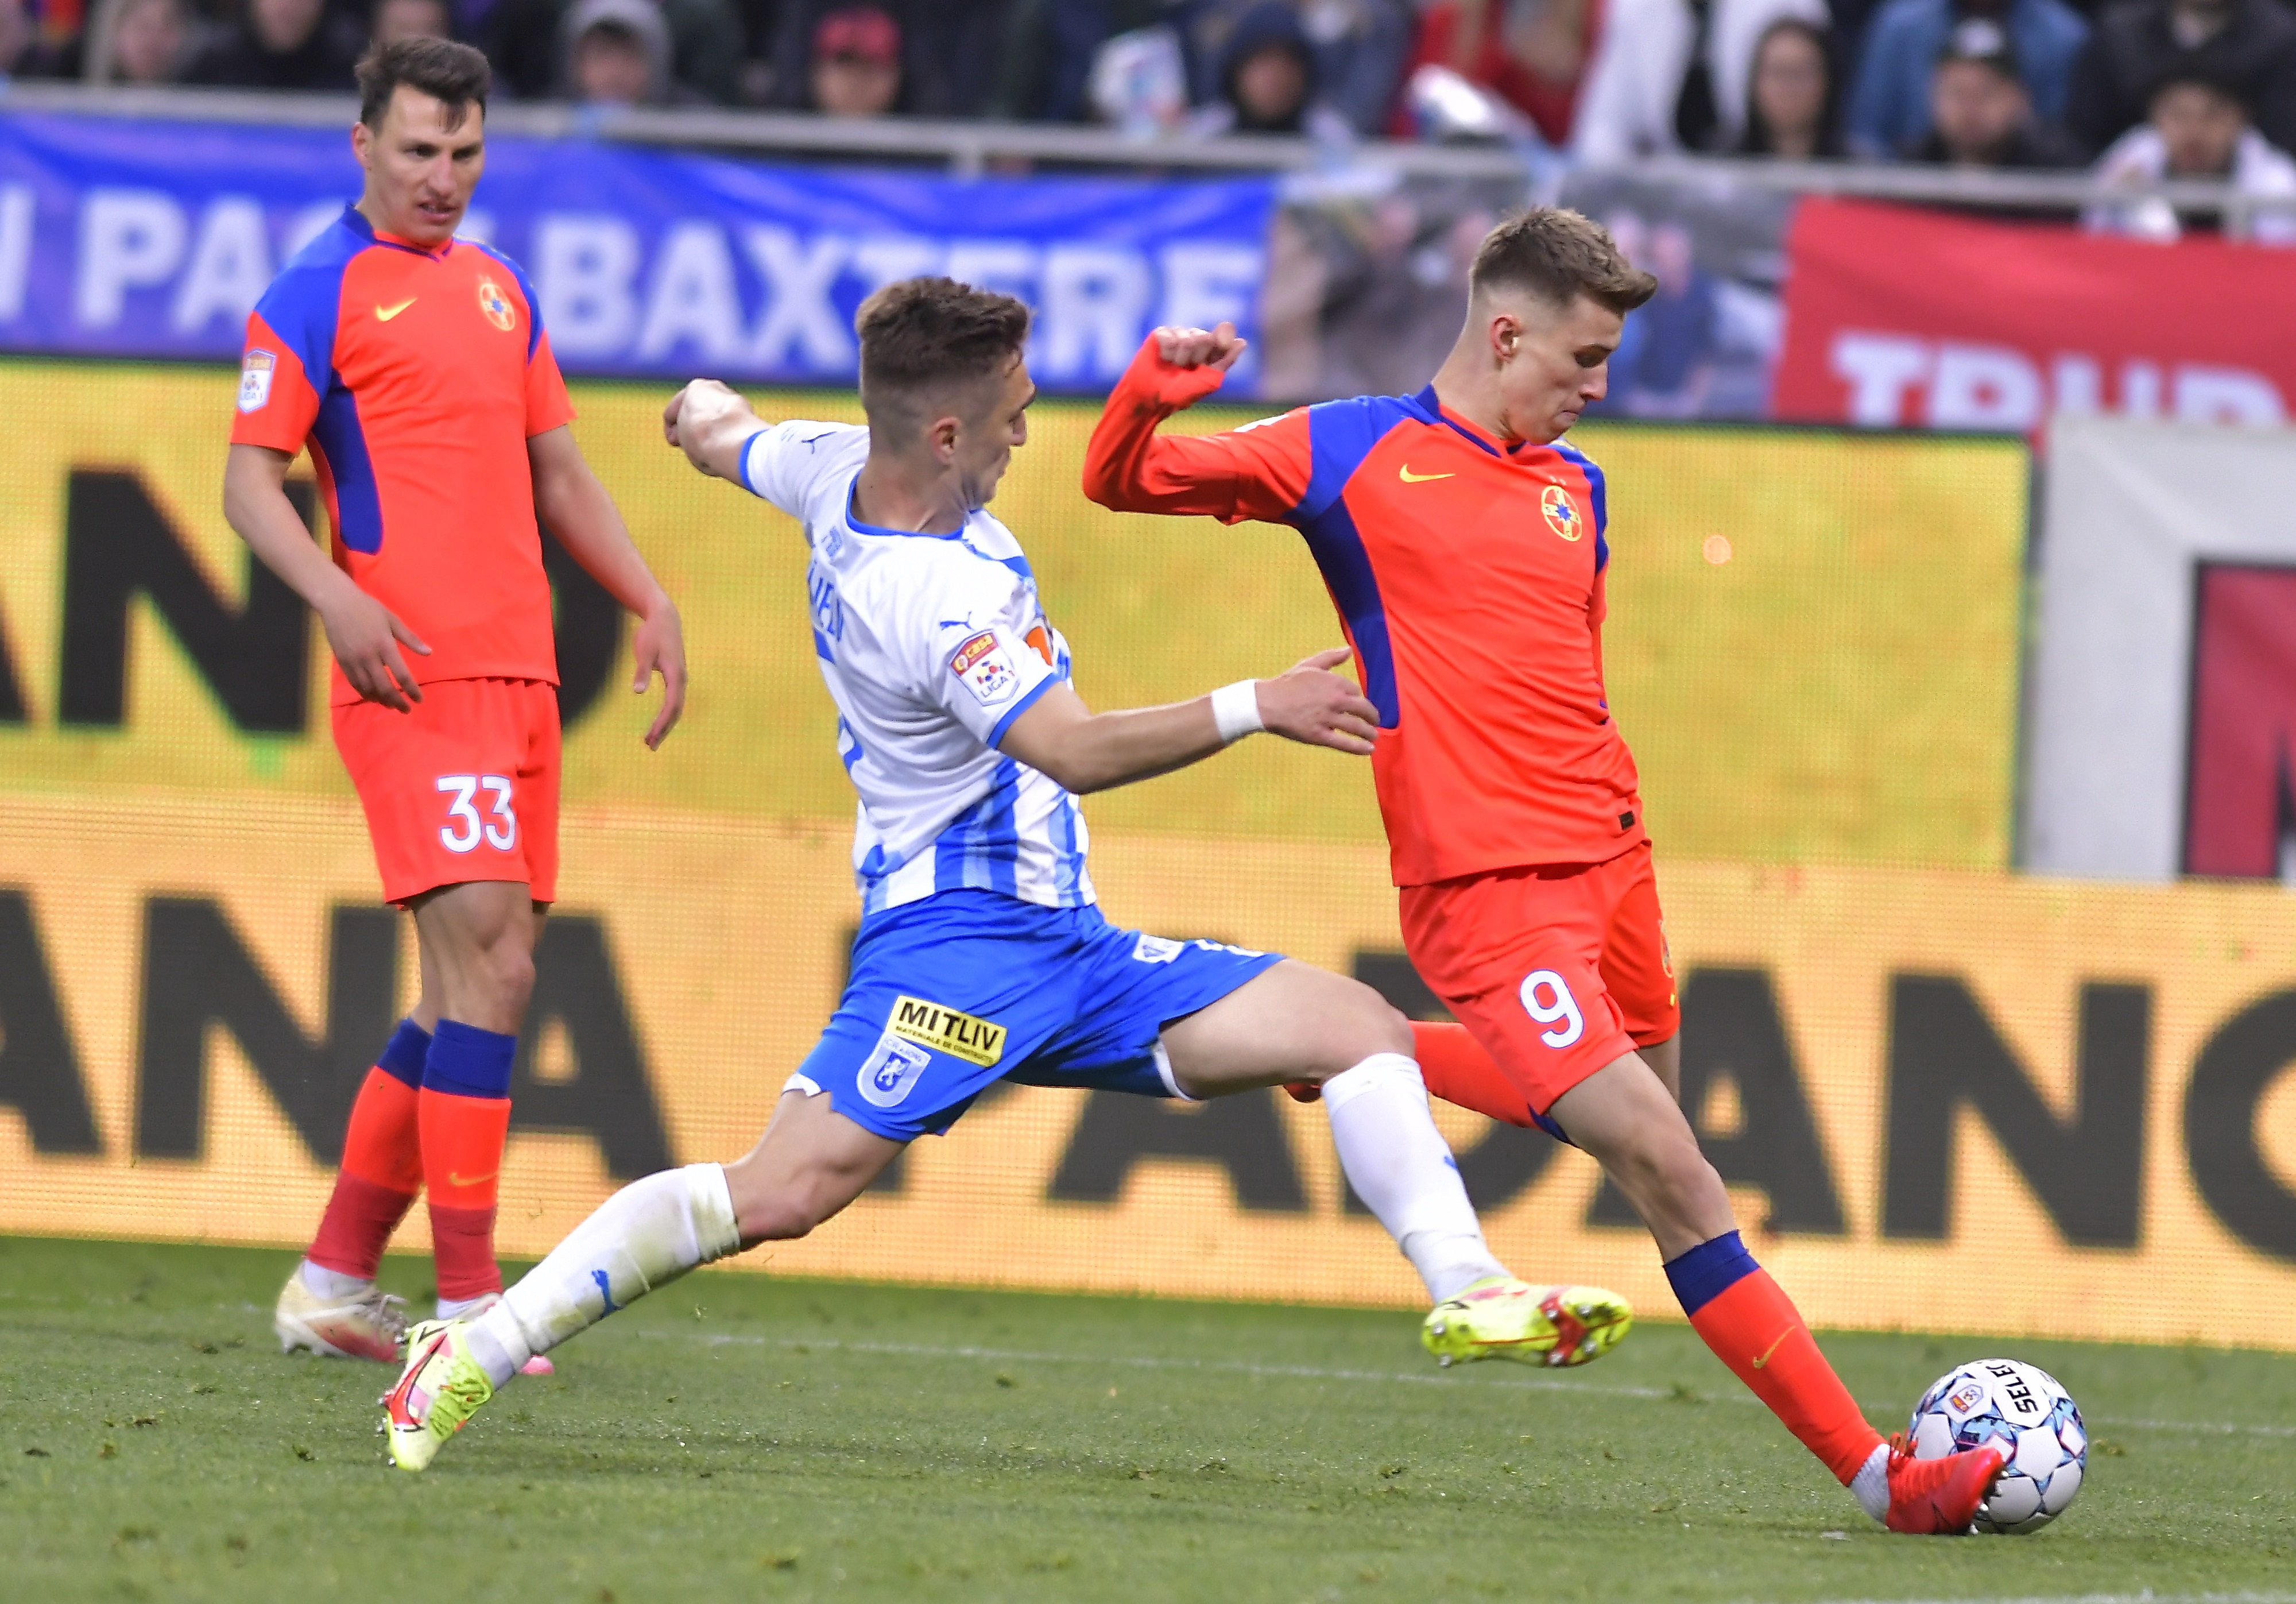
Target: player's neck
column 895, row 493
column 372, row 208
column 1471, row 394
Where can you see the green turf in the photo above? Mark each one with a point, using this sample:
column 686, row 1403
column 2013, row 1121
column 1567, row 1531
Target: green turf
column 736, row 1436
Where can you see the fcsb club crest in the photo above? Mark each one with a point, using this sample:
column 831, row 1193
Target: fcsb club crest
column 1562, row 511
column 496, row 306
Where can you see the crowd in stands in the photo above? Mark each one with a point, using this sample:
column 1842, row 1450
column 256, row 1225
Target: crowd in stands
column 2142, row 89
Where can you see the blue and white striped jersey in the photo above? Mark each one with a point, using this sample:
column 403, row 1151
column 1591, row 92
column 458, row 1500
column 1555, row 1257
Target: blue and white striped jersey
column 930, row 645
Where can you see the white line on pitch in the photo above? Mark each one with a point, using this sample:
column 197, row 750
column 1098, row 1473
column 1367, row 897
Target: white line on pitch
column 1321, row 1373
column 2145, row 1597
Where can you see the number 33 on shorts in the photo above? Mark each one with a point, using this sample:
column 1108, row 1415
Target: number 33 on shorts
column 465, row 830
column 1546, row 999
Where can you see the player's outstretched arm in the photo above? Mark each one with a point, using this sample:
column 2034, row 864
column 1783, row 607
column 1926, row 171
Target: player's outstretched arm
column 574, row 507
column 712, row 424
column 364, row 636
column 1258, row 472
column 1083, row 751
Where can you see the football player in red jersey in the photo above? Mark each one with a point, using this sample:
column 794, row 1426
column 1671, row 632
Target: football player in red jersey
column 1465, row 545
column 414, row 367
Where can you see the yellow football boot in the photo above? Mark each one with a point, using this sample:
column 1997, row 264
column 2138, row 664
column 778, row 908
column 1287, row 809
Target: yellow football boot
column 1500, row 1317
column 441, row 1388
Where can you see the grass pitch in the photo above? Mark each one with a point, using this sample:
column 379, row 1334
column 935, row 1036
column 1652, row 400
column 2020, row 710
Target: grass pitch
column 740, row 1436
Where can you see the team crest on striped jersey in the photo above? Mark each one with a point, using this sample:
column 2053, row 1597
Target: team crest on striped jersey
column 1562, row 511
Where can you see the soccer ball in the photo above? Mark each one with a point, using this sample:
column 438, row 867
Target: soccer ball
column 2019, row 1409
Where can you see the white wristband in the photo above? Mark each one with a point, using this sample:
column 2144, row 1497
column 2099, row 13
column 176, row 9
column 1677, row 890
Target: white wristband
column 1235, row 709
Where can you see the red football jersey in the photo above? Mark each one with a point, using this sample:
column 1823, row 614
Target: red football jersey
column 1469, row 575
column 416, row 378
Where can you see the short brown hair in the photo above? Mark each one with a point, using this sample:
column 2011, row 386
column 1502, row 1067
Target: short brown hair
column 925, row 335
column 453, row 74
column 1558, row 256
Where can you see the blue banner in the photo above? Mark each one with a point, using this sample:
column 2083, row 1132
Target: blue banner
column 135, row 238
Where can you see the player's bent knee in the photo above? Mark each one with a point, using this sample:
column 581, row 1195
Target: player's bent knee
column 1372, row 1024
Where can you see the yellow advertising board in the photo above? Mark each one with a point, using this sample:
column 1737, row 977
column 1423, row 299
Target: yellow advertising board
column 1946, row 1096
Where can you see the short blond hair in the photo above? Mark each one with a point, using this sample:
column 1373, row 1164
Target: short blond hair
column 1558, row 256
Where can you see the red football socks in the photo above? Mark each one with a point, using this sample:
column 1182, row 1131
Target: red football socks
column 465, row 1115
column 1754, row 1329
column 1457, row 1069
column 383, row 1163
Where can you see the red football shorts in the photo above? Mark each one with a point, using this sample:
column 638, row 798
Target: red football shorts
column 1556, row 971
column 465, row 787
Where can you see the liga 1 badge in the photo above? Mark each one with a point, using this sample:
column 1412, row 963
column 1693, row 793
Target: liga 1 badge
column 255, row 370
column 981, row 663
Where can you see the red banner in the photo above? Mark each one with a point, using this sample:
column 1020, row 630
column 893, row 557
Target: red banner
column 1899, row 317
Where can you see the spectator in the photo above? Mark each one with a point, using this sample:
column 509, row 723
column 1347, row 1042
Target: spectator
column 1670, row 361
column 1267, row 82
column 760, row 23
column 1890, row 97
column 15, row 36
column 855, row 66
column 1671, row 74
column 1359, row 47
column 1531, row 54
column 138, row 41
column 1050, row 46
column 2247, row 45
column 523, row 42
column 37, row 41
column 705, row 49
column 1979, row 114
column 2196, row 129
column 1792, row 97
column 948, row 51
column 397, row 20
column 616, row 53
column 280, row 44
column 1139, row 82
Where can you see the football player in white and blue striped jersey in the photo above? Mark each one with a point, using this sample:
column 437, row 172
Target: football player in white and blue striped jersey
column 983, row 955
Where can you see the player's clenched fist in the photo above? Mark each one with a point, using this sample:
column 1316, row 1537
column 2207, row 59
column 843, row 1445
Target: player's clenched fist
column 1311, row 703
column 1200, row 347
column 709, row 421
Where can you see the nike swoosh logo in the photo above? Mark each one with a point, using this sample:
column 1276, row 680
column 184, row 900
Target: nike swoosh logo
column 1411, row 478
column 470, row 1180
column 385, row 314
column 1772, row 1348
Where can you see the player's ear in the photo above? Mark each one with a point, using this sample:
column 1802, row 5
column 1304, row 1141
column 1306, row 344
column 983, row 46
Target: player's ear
column 944, row 436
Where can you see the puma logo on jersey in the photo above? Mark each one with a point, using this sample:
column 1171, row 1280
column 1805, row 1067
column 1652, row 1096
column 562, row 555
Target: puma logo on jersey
column 1408, row 477
column 385, row 314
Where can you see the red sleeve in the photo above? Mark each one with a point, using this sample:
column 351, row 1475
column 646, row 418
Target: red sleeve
column 1260, row 471
column 547, row 404
column 276, row 403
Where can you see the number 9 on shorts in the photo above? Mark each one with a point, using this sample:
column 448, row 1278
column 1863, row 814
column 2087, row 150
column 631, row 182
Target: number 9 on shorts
column 1546, row 999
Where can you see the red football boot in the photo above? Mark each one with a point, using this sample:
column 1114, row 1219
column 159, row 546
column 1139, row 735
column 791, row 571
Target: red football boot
column 1939, row 1497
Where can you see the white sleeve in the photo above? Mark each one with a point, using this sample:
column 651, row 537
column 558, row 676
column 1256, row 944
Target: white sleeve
column 980, row 670
column 784, row 462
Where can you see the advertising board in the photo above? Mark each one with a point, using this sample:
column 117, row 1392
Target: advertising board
column 1946, row 1096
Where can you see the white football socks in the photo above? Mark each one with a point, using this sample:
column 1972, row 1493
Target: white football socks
column 334, row 1284
column 644, row 1236
column 1399, row 1165
column 1870, row 1484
